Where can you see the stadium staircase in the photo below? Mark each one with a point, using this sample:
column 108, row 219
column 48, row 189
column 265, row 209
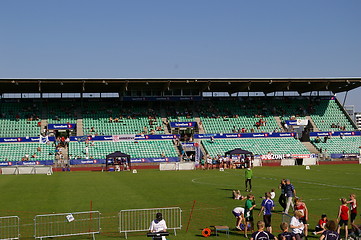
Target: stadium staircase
column 346, row 114
column 79, row 127
column 310, row 147
column 315, row 129
column 166, row 130
column 43, row 123
column 201, row 129
column 278, row 120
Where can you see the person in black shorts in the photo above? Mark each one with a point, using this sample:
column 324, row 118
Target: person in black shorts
column 285, row 235
column 261, row 234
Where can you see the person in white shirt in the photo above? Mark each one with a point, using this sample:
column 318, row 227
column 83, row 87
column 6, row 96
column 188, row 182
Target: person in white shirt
column 238, row 212
column 158, row 225
column 296, row 225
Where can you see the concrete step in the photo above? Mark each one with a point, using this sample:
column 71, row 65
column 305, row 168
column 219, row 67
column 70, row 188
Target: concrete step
column 278, row 120
column 165, row 127
column 310, row 147
column 200, row 126
column 79, row 127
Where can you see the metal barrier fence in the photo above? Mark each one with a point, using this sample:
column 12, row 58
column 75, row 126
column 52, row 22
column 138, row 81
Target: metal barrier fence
column 287, row 219
column 67, row 224
column 9, row 227
column 138, row 220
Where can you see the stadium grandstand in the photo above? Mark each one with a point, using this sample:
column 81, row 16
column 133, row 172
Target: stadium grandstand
column 78, row 122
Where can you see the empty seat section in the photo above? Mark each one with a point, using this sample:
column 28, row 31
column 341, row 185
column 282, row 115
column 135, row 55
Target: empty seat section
column 18, row 151
column 339, row 145
column 140, row 149
column 258, row 146
column 19, row 119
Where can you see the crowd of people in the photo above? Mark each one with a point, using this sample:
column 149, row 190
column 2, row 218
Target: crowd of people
column 297, row 227
column 207, row 162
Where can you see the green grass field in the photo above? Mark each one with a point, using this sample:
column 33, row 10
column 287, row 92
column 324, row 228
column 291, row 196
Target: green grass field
column 29, row 195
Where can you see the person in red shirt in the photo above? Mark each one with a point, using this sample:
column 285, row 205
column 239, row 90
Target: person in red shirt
column 353, row 207
column 320, row 228
column 342, row 217
column 301, row 206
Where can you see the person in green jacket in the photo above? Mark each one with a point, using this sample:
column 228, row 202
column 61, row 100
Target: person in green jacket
column 248, row 179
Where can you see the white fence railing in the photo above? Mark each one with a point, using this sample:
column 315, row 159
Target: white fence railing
column 67, row 224
column 9, row 227
column 137, row 220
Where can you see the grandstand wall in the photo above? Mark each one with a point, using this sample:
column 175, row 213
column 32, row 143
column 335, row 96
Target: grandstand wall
column 246, row 122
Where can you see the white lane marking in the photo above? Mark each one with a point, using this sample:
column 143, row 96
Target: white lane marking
column 195, row 180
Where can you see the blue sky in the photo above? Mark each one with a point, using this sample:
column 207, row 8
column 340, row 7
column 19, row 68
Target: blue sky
column 188, row 38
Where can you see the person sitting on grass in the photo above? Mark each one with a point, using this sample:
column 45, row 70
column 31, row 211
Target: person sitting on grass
column 321, row 226
column 330, row 233
column 237, row 195
column 285, row 235
column 261, row 234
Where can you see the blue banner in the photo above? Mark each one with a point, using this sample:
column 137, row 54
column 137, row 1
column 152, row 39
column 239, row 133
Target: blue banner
column 61, row 126
column 344, row 155
column 152, row 160
column 26, row 163
column 132, row 160
column 87, row 161
column 322, row 134
column 183, row 124
column 24, row 139
column 153, row 99
column 137, row 137
column 242, row 135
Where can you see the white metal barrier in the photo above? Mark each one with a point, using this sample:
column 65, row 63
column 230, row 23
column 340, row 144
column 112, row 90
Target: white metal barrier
column 67, row 224
column 9, row 227
column 287, row 219
column 138, row 220
column 177, row 166
column 38, row 169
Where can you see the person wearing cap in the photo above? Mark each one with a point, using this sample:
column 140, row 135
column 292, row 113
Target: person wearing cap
column 158, row 225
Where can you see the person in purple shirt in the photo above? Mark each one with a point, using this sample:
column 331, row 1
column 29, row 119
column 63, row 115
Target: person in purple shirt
column 290, row 192
column 261, row 234
column 285, row 235
column 267, row 207
column 330, row 233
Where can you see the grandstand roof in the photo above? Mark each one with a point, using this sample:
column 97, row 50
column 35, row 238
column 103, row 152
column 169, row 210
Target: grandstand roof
column 231, row 85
